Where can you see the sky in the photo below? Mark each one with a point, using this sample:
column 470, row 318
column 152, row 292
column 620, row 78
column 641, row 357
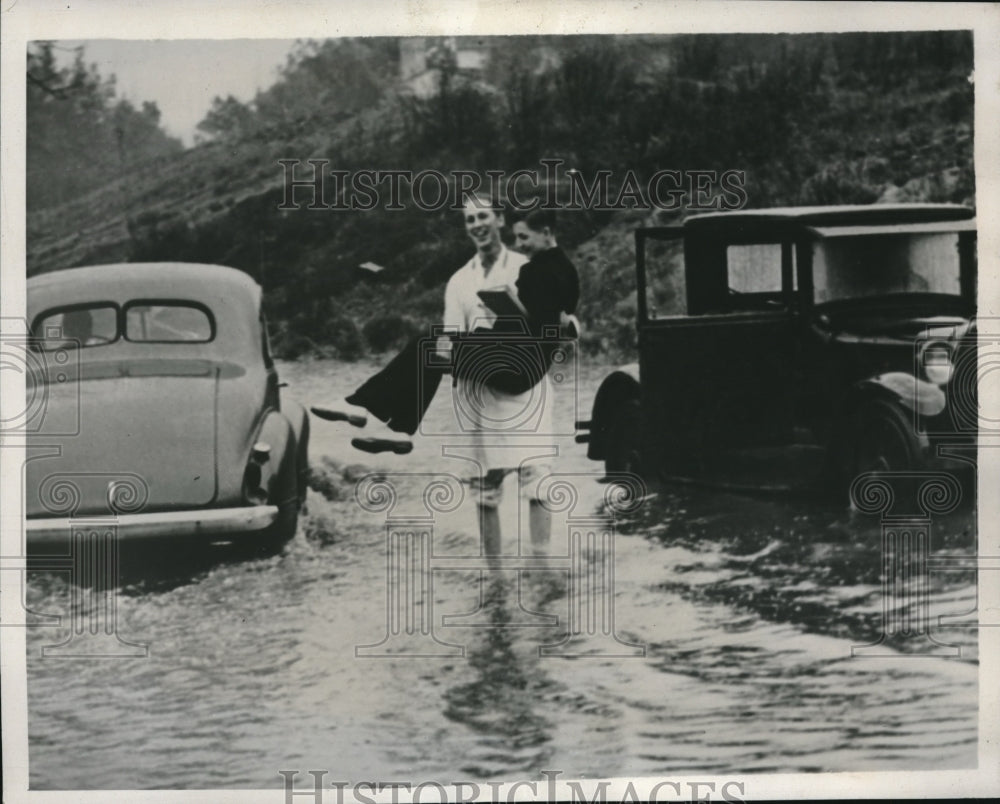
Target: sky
column 183, row 76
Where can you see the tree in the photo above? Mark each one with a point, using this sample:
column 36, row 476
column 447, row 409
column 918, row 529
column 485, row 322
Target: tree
column 228, row 118
column 80, row 135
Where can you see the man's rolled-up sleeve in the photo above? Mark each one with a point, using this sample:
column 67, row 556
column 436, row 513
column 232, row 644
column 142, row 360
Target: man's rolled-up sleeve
column 454, row 315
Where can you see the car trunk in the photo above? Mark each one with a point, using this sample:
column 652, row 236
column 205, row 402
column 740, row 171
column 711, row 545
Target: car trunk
column 155, row 422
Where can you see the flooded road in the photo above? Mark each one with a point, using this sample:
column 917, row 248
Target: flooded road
column 747, row 608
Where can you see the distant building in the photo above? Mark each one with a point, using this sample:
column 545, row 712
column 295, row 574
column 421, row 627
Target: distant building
column 413, row 71
column 421, row 59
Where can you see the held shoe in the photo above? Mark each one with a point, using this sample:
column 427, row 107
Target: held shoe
column 401, row 446
column 343, row 412
column 383, row 439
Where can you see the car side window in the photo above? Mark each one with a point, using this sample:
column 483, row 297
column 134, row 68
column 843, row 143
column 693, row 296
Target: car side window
column 756, row 276
column 754, row 268
column 167, row 322
column 666, row 288
column 77, row 327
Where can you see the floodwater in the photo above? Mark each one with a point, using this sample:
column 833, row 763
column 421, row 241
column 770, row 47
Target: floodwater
column 744, row 610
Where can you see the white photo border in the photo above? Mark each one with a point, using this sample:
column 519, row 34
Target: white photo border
column 22, row 21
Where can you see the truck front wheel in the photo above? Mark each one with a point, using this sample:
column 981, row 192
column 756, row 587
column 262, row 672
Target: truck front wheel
column 884, row 440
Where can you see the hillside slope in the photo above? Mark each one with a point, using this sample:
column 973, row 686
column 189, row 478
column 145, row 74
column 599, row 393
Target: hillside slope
column 817, row 119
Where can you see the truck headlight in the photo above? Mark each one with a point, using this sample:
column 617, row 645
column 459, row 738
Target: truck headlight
column 935, row 358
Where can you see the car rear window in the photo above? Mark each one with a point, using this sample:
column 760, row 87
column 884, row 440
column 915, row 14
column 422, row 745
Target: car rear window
column 77, row 327
column 167, row 322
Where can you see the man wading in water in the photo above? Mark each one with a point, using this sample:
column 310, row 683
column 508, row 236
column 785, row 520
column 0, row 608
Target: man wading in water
column 499, row 366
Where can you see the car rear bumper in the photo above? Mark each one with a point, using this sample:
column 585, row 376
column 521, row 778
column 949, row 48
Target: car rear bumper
column 219, row 521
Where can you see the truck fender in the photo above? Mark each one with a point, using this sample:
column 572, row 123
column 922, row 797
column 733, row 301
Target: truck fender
column 909, row 391
column 620, row 386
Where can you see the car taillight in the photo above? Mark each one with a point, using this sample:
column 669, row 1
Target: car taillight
column 935, row 358
column 252, row 491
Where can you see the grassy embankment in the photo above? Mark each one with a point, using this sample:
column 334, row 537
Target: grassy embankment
column 832, row 120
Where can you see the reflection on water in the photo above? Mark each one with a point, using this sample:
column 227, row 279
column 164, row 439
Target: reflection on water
column 747, row 607
column 499, row 704
column 797, row 561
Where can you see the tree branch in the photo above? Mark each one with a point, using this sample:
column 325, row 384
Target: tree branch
column 56, row 92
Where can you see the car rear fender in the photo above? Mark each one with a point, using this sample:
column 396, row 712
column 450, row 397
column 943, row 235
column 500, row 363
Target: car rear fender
column 619, row 387
column 299, row 421
column 278, row 472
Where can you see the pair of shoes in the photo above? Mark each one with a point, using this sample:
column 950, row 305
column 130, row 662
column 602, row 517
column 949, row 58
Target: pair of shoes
column 344, row 412
column 382, row 439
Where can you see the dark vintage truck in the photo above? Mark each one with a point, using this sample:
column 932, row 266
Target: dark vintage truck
column 804, row 346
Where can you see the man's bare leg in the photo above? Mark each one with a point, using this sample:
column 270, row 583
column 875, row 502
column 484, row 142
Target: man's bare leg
column 540, row 527
column 489, row 522
column 550, row 584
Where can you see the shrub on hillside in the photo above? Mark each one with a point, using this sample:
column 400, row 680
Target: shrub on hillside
column 839, row 184
column 344, row 335
column 290, row 344
column 385, row 332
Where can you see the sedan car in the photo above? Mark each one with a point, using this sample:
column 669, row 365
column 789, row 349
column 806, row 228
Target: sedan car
column 160, row 407
column 787, row 347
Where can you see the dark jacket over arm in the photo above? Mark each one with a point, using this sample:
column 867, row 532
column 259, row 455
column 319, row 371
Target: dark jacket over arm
column 400, row 393
column 548, row 285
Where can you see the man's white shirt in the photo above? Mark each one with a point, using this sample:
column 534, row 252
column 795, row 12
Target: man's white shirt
column 463, row 309
column 505, row 429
